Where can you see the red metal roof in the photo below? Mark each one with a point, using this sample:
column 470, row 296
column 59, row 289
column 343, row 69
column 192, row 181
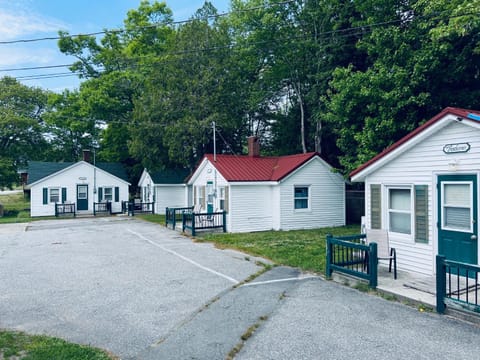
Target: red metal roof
column 249, row 168
column 463, row 113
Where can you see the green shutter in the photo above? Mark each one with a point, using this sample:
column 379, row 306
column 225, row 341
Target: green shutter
column 376, row 206
column 421, row 214
column 100, row 194
column 117, row 194
column 64, row 195
column 45, row 196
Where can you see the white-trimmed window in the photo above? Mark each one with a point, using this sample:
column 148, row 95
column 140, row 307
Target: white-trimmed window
column 54, row 195
column 457, row 211
column 301, row 195
column 223, row 197
column 199, row 195
column 107, row 194
column 400, row 210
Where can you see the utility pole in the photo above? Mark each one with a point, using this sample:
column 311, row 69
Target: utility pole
column 214, row 143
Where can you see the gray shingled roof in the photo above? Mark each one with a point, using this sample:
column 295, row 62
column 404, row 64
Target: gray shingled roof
column 38, row 170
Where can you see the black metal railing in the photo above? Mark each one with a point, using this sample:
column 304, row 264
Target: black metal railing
column 63, row 209
column 457, row 285
column 125, row 207
column 174, row 215
column 132, row 208
column 203, row 221
column 102, row 208
column 349, row 255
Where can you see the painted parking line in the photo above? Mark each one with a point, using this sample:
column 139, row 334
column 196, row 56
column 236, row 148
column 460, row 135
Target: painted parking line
column 184, row 257
column 281, row 280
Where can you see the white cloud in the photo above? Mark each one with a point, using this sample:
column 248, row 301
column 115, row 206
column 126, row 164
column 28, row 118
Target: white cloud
column 17, row 21
column 14, row 56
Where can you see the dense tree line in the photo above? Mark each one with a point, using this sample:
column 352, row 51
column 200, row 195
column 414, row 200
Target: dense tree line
column 344, row 78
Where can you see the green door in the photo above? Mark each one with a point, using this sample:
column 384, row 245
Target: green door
column 457, row 217
column 82, row 197
column 210, row 197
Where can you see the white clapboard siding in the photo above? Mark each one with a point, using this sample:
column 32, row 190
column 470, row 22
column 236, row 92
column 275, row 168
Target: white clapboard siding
column 172, row 196
column 327, row 195
column 420, row 165
column 80, row 173
column 251, row 208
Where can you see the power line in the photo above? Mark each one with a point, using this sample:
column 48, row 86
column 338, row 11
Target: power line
column 35, row 67
column 45, row 76
column 116, row 31
column 341, row 33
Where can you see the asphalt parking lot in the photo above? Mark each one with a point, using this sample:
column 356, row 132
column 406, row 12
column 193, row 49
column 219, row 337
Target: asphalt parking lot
column 116, row 283
column 141, row 291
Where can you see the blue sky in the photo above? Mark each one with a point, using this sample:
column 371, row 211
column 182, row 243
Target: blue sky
column 28, row 19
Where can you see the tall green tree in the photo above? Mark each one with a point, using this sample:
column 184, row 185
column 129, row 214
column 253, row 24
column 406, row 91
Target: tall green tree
column 297, row 46
column 21, row 126
column 115, row 68
column 70, row 127
column 423, row 56
column 191, row 87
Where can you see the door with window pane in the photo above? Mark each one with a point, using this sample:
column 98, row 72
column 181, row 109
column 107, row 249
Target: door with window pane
column 82, row 197
column 457, row 217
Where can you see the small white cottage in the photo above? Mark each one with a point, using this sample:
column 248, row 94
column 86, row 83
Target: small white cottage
column 264, row 193
column 165, row 188
column 79, row 183
column 424, row 191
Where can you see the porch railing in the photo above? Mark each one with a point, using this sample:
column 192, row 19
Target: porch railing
column 131, row 207
column 174, row 215
column 349, row 255
column 457, row 285
column 203, row 221
column 102, row 208
column 62, row 209
column 125, row 207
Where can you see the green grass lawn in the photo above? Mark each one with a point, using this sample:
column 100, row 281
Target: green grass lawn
column 18, row 345
column 155, row 218
column 304, row 249
column 16, row 208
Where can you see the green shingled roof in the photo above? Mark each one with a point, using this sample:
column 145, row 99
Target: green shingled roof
column 116, row 169
column 38, row 170
column 170, row 176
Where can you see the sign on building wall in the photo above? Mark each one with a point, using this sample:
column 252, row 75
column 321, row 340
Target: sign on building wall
column 456, row 148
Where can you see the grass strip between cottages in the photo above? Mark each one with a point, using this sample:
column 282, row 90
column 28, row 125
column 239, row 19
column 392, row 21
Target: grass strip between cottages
column 304, row 249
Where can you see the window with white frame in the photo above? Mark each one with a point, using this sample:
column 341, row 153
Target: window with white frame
column 107, row 194
column 457, row 210
column 301, row 197
column 400, row 210
column 54, row 195
column 199, row 195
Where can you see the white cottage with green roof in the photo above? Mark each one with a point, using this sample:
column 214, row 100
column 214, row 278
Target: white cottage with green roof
column 165, row 188
column 81, row 184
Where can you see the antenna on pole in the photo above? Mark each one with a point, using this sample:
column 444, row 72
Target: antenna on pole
column 214, row 143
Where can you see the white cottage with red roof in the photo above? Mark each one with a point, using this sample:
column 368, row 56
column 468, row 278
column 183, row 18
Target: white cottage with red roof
column 264, row 193
column 424, row 191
